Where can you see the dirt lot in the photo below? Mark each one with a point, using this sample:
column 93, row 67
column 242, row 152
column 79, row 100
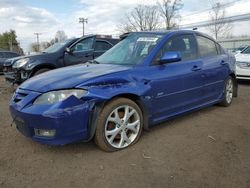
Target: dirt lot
column 208, row 148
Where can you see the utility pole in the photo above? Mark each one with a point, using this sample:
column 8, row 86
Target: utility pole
column 37, row 40
column 10, row 43
column 83, row 21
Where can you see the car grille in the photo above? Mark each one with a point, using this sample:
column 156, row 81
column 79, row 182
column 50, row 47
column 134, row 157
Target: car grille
column 7, row 69
column 19, row 96
column 244, row 65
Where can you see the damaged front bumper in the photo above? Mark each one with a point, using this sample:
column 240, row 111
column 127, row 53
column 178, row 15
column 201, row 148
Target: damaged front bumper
column 15, row 76
column 56, row 124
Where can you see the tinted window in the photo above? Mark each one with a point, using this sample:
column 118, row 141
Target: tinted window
column 83, row 45
column 1, row 54
column 102, row 46
column 246, row 51
column 185, row 44
column 207, row 47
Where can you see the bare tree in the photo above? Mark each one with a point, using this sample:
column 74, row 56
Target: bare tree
column 34, row 47
column 141, row 18
column 169, row 11
column 219, row 26
column 45, row 45
column 60, row 36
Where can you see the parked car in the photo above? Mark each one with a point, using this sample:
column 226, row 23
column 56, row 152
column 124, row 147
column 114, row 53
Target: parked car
column 243, row 64
column 4, row 55
column 69, row 52
column 146, row 79
column 238, row 50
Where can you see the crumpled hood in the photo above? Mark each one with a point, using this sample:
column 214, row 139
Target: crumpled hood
column 242, row 57
column 69, row 77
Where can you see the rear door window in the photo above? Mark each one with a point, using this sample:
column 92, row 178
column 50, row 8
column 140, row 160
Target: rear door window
column 83, row 45
column 102, row 46
column 207, row 47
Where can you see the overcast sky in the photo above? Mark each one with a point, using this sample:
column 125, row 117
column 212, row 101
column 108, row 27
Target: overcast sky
column 49, row 16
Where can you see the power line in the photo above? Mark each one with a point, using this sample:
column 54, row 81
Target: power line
column 208, row 9
column 242, row 17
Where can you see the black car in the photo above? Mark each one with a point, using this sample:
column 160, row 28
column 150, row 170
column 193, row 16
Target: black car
column 4, row 55
column 69, row 52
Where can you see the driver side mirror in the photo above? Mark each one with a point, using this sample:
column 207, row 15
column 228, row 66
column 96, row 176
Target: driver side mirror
column 170, row 57
column 68, row 50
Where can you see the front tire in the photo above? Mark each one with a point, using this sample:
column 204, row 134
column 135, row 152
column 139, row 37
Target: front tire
column 228, row 92
column 40, row 71
column 119, row 125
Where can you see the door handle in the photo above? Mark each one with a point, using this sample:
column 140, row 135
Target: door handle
column 196, row 68
column 223, row 62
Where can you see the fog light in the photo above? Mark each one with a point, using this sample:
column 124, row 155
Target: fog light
column 45, row 133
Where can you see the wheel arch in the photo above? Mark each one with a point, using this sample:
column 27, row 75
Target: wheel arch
column 100, row 105
column 42, row 66
column 138, row 100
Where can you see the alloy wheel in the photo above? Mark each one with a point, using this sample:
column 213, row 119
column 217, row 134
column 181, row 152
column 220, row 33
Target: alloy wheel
column 122, row 126
column 229, row 91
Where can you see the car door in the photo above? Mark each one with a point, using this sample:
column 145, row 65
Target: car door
column 215, row 68
column 176, row 87
column 101, row 46
column 80, row 52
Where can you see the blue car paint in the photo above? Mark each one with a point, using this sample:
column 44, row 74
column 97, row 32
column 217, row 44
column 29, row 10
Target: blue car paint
column 160, row 89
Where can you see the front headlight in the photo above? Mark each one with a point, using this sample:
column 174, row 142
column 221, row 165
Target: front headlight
column 58, row 96
column 20, row 63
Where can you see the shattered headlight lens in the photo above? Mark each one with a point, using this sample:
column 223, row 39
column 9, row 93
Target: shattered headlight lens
column 20, row 63
column 58, row 96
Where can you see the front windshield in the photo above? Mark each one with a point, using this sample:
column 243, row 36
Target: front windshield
column 55, row 47
column 246, row 50
column 132, row 50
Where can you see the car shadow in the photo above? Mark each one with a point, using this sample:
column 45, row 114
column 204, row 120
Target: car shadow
column 88, row 147
column 244, row 82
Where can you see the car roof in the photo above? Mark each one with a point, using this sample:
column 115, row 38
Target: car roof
column 168, row 32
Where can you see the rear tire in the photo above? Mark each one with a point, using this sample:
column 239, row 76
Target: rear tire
column 119, row 125
column 228, row 92
column 40, row 71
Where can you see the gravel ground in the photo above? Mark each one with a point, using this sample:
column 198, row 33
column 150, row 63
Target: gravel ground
column 207, row 148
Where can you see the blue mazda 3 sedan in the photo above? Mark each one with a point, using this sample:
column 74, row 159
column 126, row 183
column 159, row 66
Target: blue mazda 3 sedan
column 147, row 78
